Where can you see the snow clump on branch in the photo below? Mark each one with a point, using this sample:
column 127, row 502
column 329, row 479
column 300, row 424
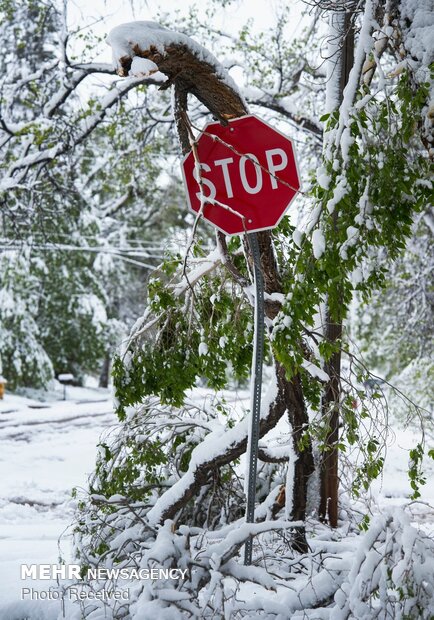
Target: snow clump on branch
column 146, row 37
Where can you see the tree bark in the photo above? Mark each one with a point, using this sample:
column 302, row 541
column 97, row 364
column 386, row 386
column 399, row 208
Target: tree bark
column 105, row 371
column 329, row 475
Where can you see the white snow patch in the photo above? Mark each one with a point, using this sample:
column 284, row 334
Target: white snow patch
column 203, row 348
column 315, row 371
column 297, row 237
column 222, row 342
column 323, row 178
column 338, row 194
column 142, row 67
column 356, row 276
column 318, row 243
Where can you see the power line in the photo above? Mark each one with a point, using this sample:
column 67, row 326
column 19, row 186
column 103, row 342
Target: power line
column 115, row 252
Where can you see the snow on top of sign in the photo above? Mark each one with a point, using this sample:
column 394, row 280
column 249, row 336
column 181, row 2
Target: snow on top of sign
column 65, row 376
column 147, row 34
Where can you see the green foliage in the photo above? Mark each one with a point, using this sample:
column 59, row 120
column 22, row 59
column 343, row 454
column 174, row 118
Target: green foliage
column 151, row 449
column 415, row 472
column 380, row 189
column 364, row 523
column 129, row 469
column 364, row 212
column 369, row 470
column 201, row 341
column 351, row 420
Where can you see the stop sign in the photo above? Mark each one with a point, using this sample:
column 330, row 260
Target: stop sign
column 244, row 176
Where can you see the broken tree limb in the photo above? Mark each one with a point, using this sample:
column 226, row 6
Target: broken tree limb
column 188, row 65
column 216, row 450
column 192, row 70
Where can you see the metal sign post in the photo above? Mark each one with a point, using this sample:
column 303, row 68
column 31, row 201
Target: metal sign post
column 255, row 407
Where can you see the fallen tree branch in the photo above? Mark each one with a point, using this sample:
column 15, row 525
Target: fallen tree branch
column 215, row 451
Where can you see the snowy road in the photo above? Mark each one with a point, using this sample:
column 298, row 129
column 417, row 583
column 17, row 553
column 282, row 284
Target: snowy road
column 49, row 448
column 46, row 450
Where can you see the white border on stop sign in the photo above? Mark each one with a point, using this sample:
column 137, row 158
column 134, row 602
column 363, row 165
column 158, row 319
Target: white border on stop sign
column 230, row 122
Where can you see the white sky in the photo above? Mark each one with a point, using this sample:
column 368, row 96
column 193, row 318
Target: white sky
column 119, row 11
column 105, row 14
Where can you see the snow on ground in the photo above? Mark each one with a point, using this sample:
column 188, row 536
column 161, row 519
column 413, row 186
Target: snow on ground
column 48, row 447
column 393, row 488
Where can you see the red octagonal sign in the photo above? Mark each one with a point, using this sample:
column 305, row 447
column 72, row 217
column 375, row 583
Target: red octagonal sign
column 244, row 175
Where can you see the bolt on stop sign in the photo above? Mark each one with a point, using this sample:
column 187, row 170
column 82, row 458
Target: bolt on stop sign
column 245, row 178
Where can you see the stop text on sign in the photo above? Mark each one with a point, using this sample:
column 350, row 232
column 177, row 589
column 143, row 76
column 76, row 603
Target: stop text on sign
column 257, row 176
column 245, row 178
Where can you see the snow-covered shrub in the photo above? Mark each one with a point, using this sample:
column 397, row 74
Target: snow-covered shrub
column 154, row 448
column 392, row 575
column 386, row 572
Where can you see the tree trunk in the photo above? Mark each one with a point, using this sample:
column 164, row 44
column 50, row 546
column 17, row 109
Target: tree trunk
column 189, row 73
column 342, row 26
column 105, row 371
